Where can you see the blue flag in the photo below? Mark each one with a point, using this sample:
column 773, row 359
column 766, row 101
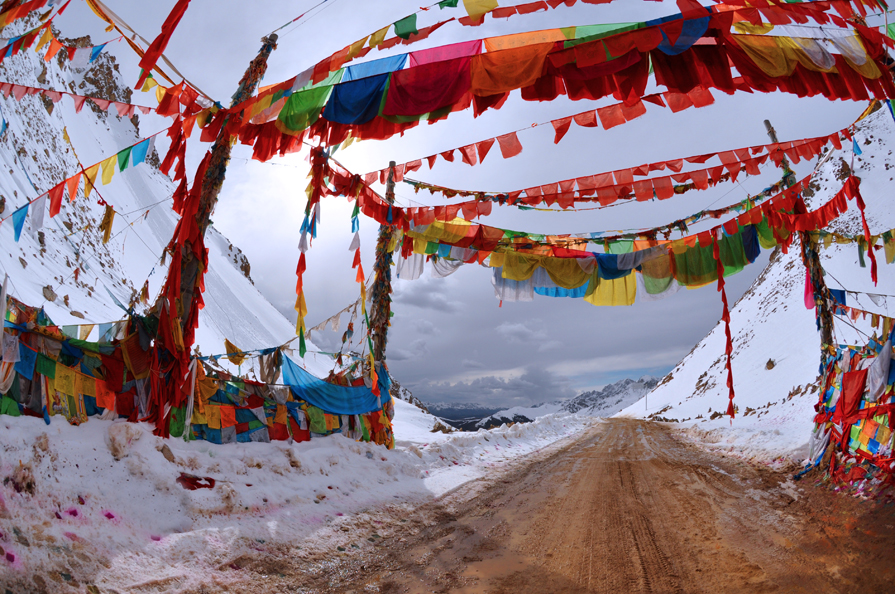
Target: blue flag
column 18, row 220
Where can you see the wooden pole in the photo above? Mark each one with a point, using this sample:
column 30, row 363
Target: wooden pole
column 214, row 175
column 811, row 260
column 382, row 279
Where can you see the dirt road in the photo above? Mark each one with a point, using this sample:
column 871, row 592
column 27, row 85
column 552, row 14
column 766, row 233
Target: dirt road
column 627, row 508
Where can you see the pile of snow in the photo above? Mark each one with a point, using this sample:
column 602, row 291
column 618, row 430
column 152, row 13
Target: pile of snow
column 775, row 340
column 101, row 504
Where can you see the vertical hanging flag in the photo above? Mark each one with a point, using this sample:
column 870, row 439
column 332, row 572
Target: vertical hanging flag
column 18, row 221
column 89, row 179
column 37, row 215
column 124, row 157
column 139, row 152
column 106, row 225
column 56, row 199
column 855, row 147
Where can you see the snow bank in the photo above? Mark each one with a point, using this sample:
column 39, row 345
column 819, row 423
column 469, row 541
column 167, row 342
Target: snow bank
column 103, row 504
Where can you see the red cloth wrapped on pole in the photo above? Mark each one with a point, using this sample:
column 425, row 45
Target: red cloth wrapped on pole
column 725, row 317
column 157, row 47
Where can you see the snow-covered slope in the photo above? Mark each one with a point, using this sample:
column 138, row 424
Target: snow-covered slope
column 775, row 339
column 604, row 402
column 34, row 156
column 107, row 507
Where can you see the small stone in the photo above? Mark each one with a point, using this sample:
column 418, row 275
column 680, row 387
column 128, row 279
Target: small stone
column 167, row 453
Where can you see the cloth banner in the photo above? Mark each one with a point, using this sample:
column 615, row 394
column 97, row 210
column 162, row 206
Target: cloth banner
column 342, row 400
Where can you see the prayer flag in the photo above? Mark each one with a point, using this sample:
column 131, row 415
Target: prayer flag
column 90, row 177
column 18, row 221
column 123, row 158
column 109, row 168
column 476, row 8
column 406, row 27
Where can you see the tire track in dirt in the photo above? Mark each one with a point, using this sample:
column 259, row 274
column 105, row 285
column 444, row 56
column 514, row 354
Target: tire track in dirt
column 626, row 508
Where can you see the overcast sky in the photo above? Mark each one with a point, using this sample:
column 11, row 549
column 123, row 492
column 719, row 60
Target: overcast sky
column 449, row 340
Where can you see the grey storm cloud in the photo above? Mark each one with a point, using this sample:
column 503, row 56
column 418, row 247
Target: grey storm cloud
column 532, row 386
column 520, row 332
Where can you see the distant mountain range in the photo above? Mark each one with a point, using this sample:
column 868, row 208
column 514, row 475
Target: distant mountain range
column 459, row 413
column 599, row 403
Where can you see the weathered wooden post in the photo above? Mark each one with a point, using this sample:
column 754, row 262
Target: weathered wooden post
column 382, row 279
column 214, row 175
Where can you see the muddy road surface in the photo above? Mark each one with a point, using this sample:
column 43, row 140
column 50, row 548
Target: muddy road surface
column 626, row 508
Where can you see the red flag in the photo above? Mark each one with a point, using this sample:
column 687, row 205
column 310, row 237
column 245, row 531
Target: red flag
column 467, row 153
column 509, row 145
column 483, row 147
column 561, row 127
column 56, row 199
column 155, row 49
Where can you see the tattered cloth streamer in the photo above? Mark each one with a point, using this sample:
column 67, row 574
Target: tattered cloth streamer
column 106, row 225
column 856, row 194
column 158, row 45
column 170, row 381
column 725, row 316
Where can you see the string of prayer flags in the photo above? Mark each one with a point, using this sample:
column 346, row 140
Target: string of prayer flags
column 339, row 106
column 609, row 187
column 22, row 10
column 732, row 160
column 131, row 156
column 124, row 110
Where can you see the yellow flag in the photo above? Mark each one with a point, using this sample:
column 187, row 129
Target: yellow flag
column 620, row 291
column 150, row 82
column 232, row 351
column 476, row 8
column 377, row 37
column 90, row 174
column 302, row 309
column 356, row 47
column 109, row 166
column 44, row 39
column 84, row 331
